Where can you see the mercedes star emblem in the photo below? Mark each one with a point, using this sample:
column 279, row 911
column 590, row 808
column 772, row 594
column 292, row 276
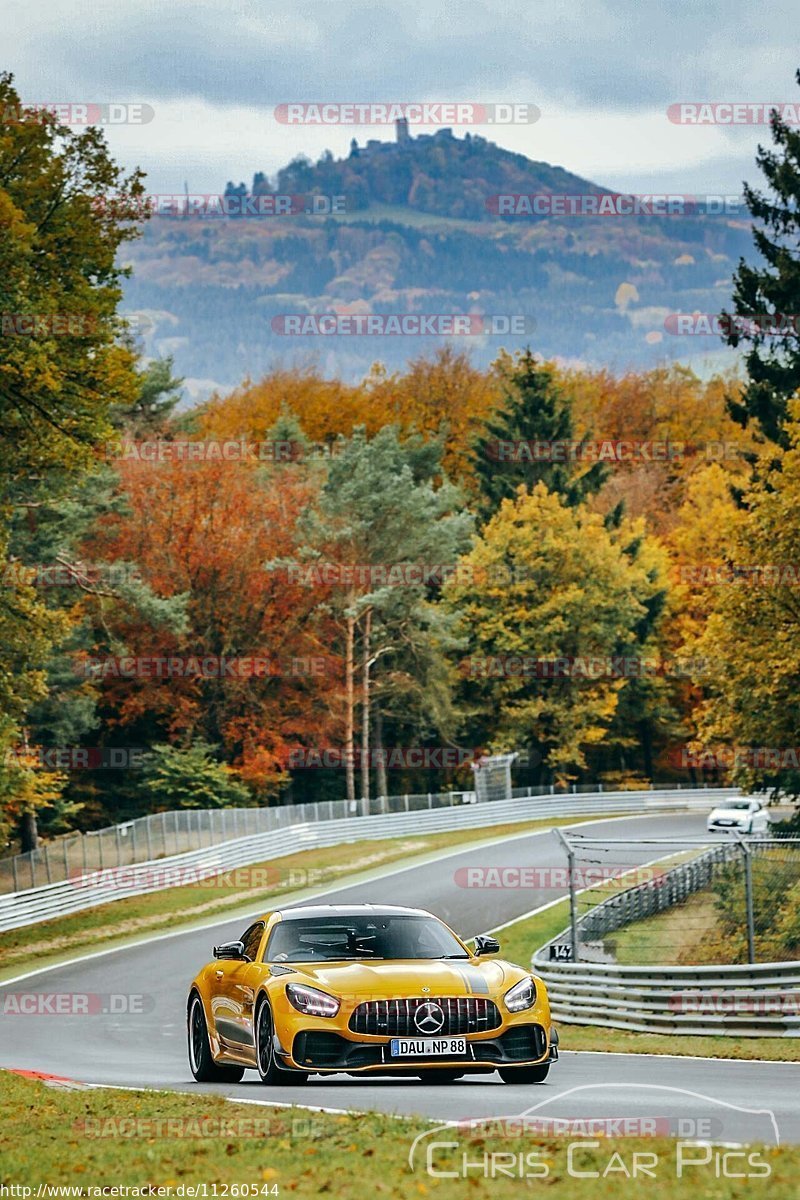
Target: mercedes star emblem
column 429, row 1017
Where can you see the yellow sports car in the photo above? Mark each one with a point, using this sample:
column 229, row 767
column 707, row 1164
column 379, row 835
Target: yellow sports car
column 367, row 990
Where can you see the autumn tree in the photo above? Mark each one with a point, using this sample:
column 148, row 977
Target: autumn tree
column 544, row 582
column 65, row 210
column 753, row 632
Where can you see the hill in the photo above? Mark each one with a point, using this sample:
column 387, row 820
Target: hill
column 421, row 234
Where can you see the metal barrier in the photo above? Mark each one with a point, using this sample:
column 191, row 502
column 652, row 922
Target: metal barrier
column 761, row 1000
column 101, row 885
column 178, row 831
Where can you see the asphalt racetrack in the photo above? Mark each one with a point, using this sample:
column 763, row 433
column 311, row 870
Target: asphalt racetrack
column 739, row 1101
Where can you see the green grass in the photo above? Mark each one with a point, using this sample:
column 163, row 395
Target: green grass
column 671, row 936
column 50, row 1136
column 519, row 941
column 122, row 921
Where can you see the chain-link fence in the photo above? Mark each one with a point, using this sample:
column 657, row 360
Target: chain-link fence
column 683, row 902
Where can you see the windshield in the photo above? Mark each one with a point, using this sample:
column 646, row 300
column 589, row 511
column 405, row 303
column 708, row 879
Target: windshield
column 736, row 804
column 333, row 938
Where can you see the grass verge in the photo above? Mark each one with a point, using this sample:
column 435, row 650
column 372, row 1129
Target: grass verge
column 239, row 893
column 89, row 1140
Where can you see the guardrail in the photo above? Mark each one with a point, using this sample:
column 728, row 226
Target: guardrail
column 761, row 1000
column 178, row 831
column 87, row 889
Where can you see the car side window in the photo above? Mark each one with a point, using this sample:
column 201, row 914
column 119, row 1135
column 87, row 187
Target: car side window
column 251, row 939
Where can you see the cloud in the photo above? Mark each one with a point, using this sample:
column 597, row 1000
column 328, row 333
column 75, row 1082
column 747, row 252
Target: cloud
column 602, row 77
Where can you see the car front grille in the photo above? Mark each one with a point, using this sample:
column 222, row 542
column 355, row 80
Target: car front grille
column 462, row 1014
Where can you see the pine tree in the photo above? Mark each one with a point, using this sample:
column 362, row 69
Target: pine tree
column 771, row 290
column 534, row 411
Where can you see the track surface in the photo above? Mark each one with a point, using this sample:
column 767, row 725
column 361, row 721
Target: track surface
column 148, row 1049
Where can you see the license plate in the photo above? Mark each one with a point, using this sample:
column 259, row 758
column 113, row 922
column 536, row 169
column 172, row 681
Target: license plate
column 427, row 1047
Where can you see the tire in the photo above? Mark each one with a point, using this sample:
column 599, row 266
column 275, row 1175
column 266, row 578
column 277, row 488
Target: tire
column 441, row 1076
column 268, row 1069
column 536, row 1074
column 201, row 1062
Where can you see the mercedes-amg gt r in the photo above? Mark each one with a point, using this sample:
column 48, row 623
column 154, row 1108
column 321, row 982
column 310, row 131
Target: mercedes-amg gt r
column 367, row 990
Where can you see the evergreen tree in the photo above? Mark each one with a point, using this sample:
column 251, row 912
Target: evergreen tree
column 529, row 441
column 770, row 290
column 159, row 393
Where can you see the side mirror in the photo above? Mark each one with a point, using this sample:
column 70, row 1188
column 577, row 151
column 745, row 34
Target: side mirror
column 486, row 945
column 229, row 950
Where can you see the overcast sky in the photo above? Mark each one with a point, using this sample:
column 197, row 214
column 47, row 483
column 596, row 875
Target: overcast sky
column 602, row 74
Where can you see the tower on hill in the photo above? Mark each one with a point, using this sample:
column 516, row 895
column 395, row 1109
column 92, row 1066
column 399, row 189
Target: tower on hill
column 401, row 129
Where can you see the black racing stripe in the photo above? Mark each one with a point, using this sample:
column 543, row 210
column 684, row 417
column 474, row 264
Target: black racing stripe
column 473, row 978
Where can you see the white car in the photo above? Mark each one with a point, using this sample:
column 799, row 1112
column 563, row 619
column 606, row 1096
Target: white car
column 746, row 816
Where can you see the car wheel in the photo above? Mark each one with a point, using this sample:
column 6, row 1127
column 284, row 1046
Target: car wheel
column 441, row 1076
column 268, row 1068
column 525, row 1074
column 202, row 1064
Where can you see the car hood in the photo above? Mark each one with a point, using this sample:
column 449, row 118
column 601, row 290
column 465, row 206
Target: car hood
column 407, row 977
column 740, row 814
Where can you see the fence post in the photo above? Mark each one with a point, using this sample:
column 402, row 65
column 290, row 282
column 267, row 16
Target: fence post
column 66, row 860
column 149, row 838
column 14, row 869
column 119, row 845
column 47, row 862
column 748, row 899
column 430, row 800
column 573, row 908
column 405, row 800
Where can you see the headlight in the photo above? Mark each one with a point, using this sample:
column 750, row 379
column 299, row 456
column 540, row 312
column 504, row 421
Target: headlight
column 521, row 996
column 311, row 1002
